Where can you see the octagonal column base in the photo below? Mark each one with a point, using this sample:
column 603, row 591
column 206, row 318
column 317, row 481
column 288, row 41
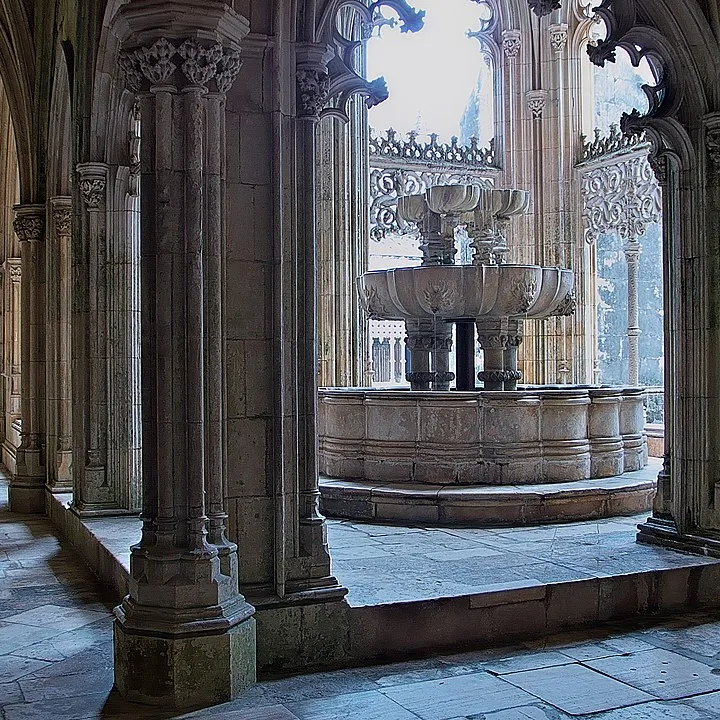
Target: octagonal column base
column 186, row 671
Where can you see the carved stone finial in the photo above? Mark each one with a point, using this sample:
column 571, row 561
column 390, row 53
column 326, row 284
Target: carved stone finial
column 511, row 43
column 536, row 100
column 543, row 7
column 558, row 37
column 313, row 88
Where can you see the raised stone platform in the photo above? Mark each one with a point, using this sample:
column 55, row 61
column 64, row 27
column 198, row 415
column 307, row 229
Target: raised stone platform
column 489, row 505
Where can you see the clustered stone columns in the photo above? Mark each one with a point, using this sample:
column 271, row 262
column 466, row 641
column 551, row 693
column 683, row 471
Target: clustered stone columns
column 59, row 401
column 184, row 635
column 27, row 488
column 499, row 341
column 429, row 343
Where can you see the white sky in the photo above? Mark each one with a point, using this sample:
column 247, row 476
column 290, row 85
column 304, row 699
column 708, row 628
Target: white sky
column 430, row 74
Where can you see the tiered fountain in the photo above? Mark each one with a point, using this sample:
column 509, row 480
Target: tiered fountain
column 500, row 455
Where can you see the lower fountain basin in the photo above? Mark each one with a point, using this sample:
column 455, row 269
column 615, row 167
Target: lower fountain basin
column 537, row 455
column 488, row 438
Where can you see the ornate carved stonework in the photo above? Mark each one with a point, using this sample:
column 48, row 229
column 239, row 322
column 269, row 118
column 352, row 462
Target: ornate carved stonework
column 659, row 165
column 511, row 43
column 62, row 217
column 543, row 7
column 622, row 197
column 393, row 146
column 615, row 141
column 567, row 305
column 536, row 100
column 712, row 139
column 15, row 272
column 372, row 303
column 524, row 291
column 439, row 297
column 199, row 64
column 92, row 191
column 399, row 167
column 558, row 37
column 29, row 227
column 313, row 88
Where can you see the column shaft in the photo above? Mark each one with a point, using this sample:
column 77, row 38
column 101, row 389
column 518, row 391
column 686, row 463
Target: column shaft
column 26, row 492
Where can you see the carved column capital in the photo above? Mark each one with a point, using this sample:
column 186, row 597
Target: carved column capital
column 511, row 43
column 536, row 100
column 712, row 140
column 62, row 215
column 313, row 90
column 659, row 165
column 181, row 63
column 558, row 37
column 93, row 182
column 14, row 269
column 29, row 223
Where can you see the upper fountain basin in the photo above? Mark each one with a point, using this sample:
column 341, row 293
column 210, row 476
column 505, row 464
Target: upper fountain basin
column 455, row 292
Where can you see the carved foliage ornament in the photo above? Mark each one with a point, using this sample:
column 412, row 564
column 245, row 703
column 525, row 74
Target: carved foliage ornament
column 713, row 145
column 511, row 43
column 29, row 227
column 199, row 64
column 92, row 191
column 313, row 88
column 62, row 217
column 543, row 7
column 558, row 37
column 536, row 100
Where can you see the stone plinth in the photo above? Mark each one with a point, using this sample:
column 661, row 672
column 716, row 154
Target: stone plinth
column 531, row 436
column 177, row 671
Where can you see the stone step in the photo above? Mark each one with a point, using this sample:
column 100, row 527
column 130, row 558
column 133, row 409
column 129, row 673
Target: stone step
column 490, row 505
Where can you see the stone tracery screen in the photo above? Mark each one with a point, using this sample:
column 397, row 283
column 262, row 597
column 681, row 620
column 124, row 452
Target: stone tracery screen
column 621, row 216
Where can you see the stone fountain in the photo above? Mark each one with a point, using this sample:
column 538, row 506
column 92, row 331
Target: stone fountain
column 502, row 454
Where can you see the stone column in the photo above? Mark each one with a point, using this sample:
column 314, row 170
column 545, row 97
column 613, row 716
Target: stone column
column 442, row 344
column 184, row 635
column 59, row 410
column 420, row 341
column 94, row 492
column 312, row 88
column 514, row 340
column 27, row 487
column 13, row 274
column 493, row 339
column 632, row 256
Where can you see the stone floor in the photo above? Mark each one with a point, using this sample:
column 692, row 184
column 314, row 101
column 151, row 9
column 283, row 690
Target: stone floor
column 56, row 642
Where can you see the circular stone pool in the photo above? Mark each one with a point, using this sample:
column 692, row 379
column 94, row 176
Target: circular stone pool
column 539, row 454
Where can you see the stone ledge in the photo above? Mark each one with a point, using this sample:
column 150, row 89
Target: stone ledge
column 489, row 505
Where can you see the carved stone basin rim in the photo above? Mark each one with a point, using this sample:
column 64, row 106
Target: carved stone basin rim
column 454, row 292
